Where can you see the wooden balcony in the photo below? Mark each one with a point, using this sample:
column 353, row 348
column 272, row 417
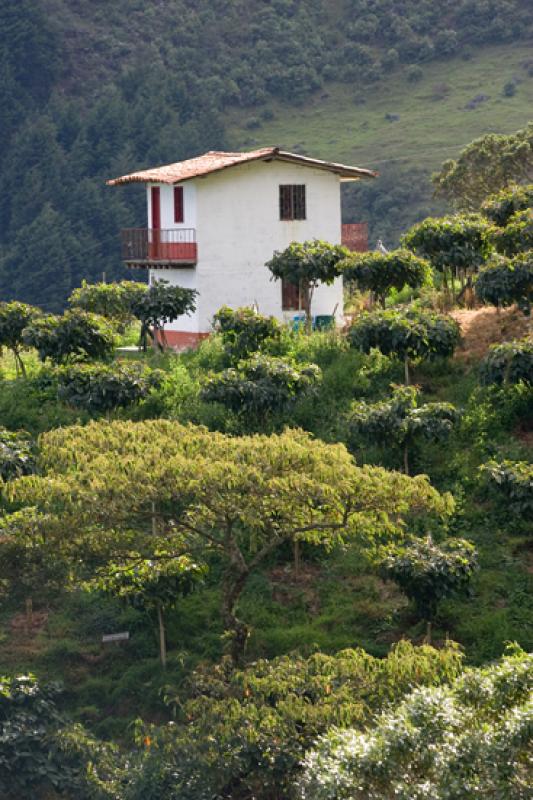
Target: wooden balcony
column 159, row 248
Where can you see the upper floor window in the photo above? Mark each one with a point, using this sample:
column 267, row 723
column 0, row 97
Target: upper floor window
column 292, row 201
column 178, row 204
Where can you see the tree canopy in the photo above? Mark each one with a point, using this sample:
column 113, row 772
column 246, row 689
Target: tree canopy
column 238, row 497
column 380, row 272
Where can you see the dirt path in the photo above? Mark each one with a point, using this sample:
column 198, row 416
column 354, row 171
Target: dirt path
column 482, row 327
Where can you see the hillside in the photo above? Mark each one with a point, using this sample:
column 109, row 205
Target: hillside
column 106, row 88
column 404, row 129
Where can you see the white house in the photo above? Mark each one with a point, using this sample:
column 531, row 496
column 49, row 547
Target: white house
column 214, row 220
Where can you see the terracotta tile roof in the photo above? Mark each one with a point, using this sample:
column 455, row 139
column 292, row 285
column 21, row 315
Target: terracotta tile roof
column 214, row 161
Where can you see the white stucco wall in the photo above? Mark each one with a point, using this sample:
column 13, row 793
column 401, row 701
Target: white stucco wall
column 166, row 194
column 237, row 230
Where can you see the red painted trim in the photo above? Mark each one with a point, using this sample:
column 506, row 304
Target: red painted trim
column 183, row 340
column 156, row 207
column 178, row 204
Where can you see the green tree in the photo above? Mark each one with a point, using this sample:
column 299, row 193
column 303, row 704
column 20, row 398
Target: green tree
column 111, row 300
column 517, row 236
column 101, row 388
column 500, row 207
column 14, row 317
column 260, row 387
column 17, row 455
column 75, row 336
column 456, row 246
column 238, row 498
column 152, row 584
column 401, row 421
column 245, row 732
column 161, row 304
column 508, row 363
column 407, row 335
column 428, row 573
column 306, row 265
column 511, row 482
column 487, row 165
column 504, row 282
column 244, row 331
column 380, row 272
column 459, row 742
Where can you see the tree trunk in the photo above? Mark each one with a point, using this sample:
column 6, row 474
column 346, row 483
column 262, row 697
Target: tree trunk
column 306, row 303
column 19, row 363
column 162, row 637
column 233, row 585
column 406, row 459
column 406, row 370
column 29, row 614
column 296, row 557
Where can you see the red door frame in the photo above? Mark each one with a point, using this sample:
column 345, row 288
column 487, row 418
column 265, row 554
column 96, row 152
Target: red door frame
column 156, row 220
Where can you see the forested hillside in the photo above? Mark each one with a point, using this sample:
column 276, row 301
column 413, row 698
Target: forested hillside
column 90, row 90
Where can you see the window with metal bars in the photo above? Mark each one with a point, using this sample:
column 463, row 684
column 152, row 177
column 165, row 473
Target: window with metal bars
column 290, row 296
column 292, row 201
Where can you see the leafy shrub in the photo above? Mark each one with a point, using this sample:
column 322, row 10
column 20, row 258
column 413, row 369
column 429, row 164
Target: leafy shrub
column 101, row 388
column 442, row 743
column 75, row 336
column 517, row 236
column 112, row 300
column 508, row 363
column 512, row 483
column 243, row 733
column 14, row 318
column 408, row 335
column 261, row 386
column 32, row 760
column 500, row 207
column 160, row 304
column 456, row 244
column 428, row 573
column 245, row 332
column 504, row 282
column 379, row 272
column 401, row 421
column 16, row 455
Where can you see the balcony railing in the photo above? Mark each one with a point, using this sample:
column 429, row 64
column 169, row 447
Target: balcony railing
column 145, row 247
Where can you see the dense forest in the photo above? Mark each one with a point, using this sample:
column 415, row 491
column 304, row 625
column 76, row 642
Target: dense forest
column 90, row 91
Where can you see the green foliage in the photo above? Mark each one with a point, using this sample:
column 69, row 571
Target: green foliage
column 306, row 264
column 508, row 363
column 100, row 388
column 147, row 583
column 31, row 761
column 159, row 304
column 428, row 573
column 447, row 743
column 506, row 281
column 517, row 236
column 239, row 498
column 16, row 455
column 75, row 336
column 499, row 208
column 405, row 334
column 261, row 386
column 244, row 733
column 401, row 421
column 111, row 300
column 487, row 165
column 14, row 317
column 380, row 272
column 244, row 331
column 460, row 243
column 512, row 483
